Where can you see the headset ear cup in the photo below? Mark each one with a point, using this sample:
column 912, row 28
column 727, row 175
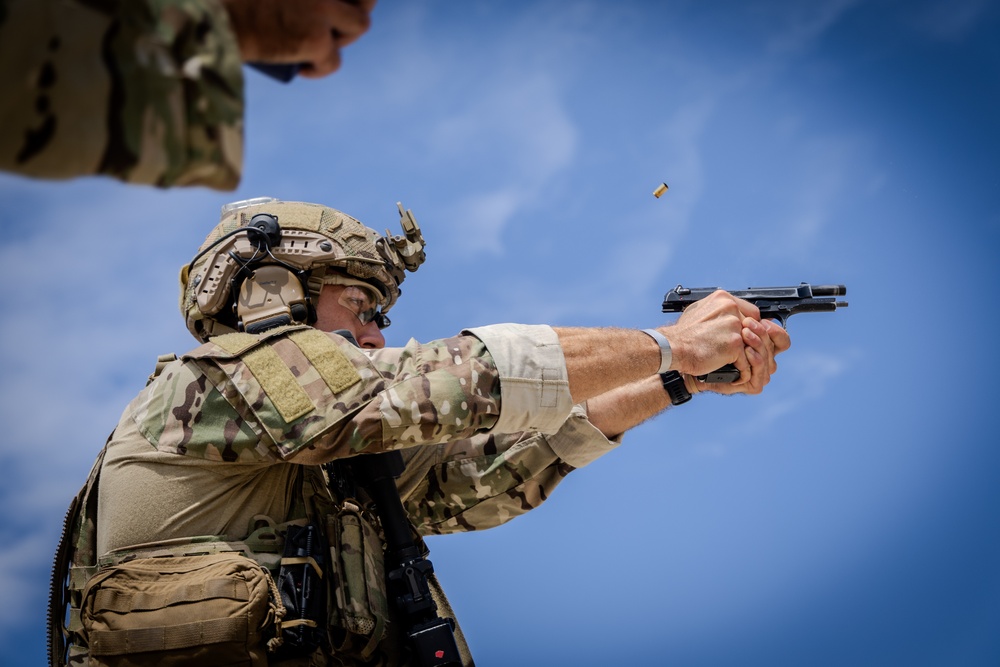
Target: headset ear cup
column 271, row 296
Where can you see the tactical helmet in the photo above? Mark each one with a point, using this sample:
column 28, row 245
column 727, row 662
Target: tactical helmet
column 266, row 262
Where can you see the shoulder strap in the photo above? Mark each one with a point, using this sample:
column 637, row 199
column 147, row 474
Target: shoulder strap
column 161, row 363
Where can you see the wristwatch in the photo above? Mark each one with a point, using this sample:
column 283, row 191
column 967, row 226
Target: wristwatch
column 673, row 382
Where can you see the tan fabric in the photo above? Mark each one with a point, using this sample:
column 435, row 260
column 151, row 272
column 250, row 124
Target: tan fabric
column 180, row 611
column 534, row 387
column 147, row 495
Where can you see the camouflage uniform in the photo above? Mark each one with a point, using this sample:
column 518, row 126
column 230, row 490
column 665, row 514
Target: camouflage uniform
column 484, row 420
column 146, row 91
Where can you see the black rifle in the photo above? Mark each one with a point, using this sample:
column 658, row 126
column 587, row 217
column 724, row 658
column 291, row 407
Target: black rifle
column 432, row 638
column 300, row 583
column 775, row 303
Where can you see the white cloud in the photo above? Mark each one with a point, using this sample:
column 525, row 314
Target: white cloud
column 92, row 266
column 820, row 174
column 801, row 382
column 487, row 214
column 20, row 558
column 514, row 136
column 520, row 123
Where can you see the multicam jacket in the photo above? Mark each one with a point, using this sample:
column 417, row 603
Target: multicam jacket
column 483, row 419
column 146, row 91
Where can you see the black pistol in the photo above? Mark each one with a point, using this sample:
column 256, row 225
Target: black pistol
column 775, row 303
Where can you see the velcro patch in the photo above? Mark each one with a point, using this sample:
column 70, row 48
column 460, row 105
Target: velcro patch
column 236, row 343
column 327, row 358
column 278, row 382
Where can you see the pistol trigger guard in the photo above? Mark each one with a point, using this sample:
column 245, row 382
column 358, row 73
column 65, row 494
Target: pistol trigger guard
column 781, row 319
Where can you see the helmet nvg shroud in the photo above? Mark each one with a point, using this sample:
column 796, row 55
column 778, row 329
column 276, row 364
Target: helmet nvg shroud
column 266, row 261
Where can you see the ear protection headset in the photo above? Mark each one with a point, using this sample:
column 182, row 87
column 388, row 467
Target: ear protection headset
column 273, row 294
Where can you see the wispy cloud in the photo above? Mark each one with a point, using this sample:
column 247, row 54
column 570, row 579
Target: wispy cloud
column 798, row 385
column 807, row 382
column 511, row 139
column 96, row 282
column 20, row 563
column 488, row 213
column 799, row 26
column 950, row 21
column 825, row 170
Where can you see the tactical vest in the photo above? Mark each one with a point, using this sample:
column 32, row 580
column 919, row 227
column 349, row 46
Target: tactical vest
column 87, row 604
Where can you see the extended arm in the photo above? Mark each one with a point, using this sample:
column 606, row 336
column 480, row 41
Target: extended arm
column 625, row 407
column 490, row 478
column 709, row 334
column 504, row 379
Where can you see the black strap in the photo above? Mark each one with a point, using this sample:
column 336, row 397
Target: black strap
column 432, row 638
column 673, row 382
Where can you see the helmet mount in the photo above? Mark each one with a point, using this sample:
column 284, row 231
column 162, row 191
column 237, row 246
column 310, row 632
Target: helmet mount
column 270, row 231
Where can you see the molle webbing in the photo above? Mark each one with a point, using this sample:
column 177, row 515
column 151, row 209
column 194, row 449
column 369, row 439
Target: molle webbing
column 211, row 609
column 275, row 377
column 170, row 638
column 121, row 602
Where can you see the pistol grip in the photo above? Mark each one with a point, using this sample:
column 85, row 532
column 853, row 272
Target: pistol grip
column 728, row 373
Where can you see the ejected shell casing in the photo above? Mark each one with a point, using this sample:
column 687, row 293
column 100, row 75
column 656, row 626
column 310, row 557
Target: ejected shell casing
column 660, row 189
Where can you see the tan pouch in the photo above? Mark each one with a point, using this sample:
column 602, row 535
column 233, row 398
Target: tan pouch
column 216, row 609
column 359, row 608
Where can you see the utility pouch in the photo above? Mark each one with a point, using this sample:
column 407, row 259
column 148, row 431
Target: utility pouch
column 359, row 606
column 216, row 609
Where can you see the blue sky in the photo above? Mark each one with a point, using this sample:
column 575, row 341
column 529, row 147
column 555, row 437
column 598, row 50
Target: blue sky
column 846, row 516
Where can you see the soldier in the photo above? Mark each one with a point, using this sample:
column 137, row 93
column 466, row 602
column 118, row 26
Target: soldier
column 248, row 507
column 150, row 91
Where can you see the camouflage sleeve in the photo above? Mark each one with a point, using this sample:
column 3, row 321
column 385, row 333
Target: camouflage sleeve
column 534, row 387
column 302, row 395
column 146, row 91
column 305, row 396
column 489, row 479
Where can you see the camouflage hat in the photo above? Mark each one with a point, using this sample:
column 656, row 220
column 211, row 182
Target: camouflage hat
column 310, row 241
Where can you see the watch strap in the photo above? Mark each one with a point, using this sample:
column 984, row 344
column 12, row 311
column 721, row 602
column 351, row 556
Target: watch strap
column 673, row 383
